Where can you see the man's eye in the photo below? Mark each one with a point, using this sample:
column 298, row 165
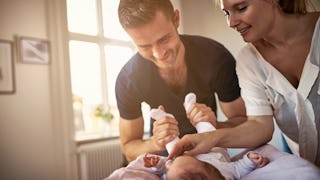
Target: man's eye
column 164, row 40
column 144, row 48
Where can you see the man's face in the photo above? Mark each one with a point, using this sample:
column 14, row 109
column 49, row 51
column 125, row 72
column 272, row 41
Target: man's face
column 158, row 41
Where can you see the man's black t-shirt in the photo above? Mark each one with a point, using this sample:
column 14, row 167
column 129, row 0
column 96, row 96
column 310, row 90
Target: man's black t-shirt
column 210, row 70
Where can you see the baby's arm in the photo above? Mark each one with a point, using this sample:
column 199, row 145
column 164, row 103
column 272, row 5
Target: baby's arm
column 150, row 160
column 249, row 162
column 154, row 163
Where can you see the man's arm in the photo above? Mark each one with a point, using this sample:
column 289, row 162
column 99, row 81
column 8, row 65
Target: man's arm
column 235, row 111
column 131, row 137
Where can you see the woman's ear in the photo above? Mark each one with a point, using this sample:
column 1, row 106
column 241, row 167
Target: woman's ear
column 274, row 2
column 176, row 18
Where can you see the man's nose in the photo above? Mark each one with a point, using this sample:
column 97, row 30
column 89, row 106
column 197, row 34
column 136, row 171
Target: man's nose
column 158, row 52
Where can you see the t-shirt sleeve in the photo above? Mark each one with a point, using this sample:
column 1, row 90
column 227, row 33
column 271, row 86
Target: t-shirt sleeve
column 227, row 87
column 253, row 91
column 127, row 96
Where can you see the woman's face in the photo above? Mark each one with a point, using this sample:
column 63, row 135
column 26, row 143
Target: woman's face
column 253, row 19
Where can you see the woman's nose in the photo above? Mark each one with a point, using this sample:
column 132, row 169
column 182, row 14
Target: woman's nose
column 232, row 21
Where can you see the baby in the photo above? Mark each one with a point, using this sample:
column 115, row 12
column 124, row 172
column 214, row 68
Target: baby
column 155, row 167
column 205, row 167
column 214, row 164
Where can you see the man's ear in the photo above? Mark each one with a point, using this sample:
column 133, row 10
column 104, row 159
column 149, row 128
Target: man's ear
column 176, row 18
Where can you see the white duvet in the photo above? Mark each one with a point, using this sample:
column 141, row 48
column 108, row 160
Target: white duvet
column 283, row 166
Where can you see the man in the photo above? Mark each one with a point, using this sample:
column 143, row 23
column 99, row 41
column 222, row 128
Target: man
column 166, row 68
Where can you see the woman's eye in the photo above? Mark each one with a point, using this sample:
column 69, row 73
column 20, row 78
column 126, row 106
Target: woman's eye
column 226, row 13
column 242, row 8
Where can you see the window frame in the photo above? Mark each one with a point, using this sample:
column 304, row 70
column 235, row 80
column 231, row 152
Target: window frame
column 101, row 41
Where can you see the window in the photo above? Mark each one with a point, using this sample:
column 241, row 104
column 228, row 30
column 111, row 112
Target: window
column 98, row 47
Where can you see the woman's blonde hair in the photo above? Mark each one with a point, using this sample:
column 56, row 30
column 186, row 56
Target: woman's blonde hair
column 293, row 6
column 288, row 6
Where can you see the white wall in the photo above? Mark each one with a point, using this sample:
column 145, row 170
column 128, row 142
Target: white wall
column 177, row 5
column 29, row 145
column 204, row 17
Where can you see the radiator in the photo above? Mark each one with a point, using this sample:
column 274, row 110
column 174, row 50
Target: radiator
column 99, row 159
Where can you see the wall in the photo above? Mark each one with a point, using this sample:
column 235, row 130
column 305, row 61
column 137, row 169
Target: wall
column 30, row 147
column 208, row 20
column 177, row 5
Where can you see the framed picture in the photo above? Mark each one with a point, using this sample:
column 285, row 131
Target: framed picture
column 33, row 50
column 6, row 67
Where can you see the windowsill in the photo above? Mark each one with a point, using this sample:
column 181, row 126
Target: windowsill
column 83, row 138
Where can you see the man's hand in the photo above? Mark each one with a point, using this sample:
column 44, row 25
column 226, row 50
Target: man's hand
column 165, row 129
column 201, row 113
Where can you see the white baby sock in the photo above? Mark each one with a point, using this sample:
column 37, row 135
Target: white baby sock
column 158, row 114
column 201, row 127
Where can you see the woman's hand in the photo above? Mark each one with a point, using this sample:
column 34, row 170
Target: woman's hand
column 193, row 144
column 201, row 113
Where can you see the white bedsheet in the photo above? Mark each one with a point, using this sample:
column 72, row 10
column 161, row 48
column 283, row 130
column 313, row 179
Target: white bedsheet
column 283, row 166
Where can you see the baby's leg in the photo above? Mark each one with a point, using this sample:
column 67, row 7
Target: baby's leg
column 200, row 126
column 258, row 159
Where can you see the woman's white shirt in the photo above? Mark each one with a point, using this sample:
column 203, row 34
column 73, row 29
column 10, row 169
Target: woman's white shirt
column 267, row 92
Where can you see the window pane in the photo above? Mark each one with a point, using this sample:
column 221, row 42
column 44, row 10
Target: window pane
column 82, row 16
column 86, row 83
column 116, row 57
column 111, row 25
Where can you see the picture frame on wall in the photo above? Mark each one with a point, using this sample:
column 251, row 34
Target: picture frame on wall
column 33, row 50
column 7, row 82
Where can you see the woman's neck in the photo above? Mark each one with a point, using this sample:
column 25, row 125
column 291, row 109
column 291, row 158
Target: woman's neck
column 288, row 29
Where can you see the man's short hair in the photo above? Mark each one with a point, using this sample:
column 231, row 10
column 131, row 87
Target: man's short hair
column 135, row 13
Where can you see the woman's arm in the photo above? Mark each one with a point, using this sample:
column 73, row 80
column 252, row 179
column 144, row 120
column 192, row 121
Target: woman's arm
column 254, row 132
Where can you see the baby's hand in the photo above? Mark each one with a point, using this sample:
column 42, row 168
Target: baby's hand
column 258, row 159
column 150, row 160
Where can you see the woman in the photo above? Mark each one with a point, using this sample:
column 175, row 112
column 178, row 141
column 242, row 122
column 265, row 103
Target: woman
column 279, row 77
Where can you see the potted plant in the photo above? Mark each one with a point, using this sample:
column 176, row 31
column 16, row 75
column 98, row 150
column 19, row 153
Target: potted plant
column 103, row 113
column 103, row 118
